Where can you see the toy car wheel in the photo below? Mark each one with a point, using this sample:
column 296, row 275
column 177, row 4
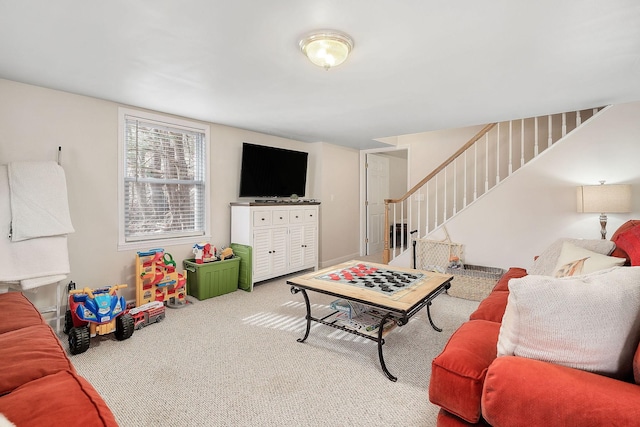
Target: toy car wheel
column 68, row 322
column 160, row 318
column 125, row 326
column 79, row 340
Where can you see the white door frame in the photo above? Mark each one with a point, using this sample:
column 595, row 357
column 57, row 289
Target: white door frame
column 363, row 187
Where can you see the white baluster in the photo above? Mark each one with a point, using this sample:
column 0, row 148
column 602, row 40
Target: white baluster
column 498, row 155
column 486, row 162
column 403, row 224
column 578, row 118
column 521, row 142
column 550, row 139
column 435, row 206
column 564, row 124
column 444, row 197
column 535, row 138
column 464, row 194
column 393, row 233
column 427, row 210
column 510, row 146
column 475, row 171
column 454, row 193
column 419, row 210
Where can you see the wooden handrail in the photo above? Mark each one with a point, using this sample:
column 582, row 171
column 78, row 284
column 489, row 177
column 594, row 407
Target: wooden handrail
column 476, row 137
column 444, row 164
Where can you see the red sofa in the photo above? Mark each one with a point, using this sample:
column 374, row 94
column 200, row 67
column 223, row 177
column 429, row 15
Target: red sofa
column 475, row 387
column 38, row 384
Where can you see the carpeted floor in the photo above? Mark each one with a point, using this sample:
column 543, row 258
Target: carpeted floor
column 234, row 360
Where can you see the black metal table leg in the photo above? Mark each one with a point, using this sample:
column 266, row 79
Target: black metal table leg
column 295, row 290
column 430, row 319
column 380, row 343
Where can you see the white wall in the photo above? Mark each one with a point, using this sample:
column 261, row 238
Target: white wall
column 34, row 121
column 339, row 178
column 521, row 217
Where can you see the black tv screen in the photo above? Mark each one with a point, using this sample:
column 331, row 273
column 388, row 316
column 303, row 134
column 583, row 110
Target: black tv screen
column 272, row 172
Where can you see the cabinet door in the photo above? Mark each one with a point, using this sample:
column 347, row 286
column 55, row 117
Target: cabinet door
column 261, row 254
column 296, row 246
column 279, row 250
column 310, row 245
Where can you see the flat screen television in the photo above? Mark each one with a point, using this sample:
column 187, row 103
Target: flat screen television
column 272, row 172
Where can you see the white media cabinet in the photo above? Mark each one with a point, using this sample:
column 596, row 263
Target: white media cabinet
column 283, row 235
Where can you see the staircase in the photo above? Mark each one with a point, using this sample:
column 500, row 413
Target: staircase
column 482, row 163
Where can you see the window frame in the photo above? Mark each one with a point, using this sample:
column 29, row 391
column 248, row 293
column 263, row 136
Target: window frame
column 167, row 121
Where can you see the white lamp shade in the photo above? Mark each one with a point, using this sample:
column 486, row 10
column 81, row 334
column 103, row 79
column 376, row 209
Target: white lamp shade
column 604, row 198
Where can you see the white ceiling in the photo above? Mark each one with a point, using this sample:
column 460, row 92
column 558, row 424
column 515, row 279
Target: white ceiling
column 417, row 65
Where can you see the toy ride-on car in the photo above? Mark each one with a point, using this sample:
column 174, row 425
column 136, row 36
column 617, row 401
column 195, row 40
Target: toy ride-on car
column 96, row 312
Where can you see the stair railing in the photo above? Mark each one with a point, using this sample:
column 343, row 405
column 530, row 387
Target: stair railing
column 490, row 156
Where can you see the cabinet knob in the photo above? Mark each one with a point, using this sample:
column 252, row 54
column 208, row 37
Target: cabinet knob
column 280, row 217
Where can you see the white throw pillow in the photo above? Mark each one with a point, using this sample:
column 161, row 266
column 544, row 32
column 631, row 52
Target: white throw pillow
column 574, row 261
column 545, row 264
column 587, row 322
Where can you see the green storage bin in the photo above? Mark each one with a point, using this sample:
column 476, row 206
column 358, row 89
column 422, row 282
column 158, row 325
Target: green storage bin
column 245, row 279
column 211, row 279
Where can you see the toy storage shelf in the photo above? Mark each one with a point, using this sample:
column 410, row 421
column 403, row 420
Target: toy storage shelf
column 212, row 279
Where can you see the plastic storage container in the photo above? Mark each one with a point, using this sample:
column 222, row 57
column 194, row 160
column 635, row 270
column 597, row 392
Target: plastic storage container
column 212, row 279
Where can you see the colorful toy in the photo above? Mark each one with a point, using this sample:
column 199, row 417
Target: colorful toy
column 158, row 280
column 95, row 312
column 203, row 253
column 147, row 314
column 226, row 253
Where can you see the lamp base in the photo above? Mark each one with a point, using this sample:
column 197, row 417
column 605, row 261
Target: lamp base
column 603, row 225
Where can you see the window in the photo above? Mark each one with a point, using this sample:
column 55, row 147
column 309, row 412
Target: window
column 163, row 191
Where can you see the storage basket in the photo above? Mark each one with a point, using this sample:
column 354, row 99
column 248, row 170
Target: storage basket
column 435, row 255
column 473, row 282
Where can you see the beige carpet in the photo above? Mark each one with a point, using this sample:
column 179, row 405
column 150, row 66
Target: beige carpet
column 233, row 360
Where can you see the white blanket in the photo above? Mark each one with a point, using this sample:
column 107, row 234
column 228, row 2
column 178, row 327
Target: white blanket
column 41, row 258
column 39, row 204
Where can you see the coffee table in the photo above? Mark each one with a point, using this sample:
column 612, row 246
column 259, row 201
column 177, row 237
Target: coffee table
column 390, row 297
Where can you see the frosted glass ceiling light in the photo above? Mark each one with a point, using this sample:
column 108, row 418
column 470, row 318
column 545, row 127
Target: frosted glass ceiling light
column 326, row 48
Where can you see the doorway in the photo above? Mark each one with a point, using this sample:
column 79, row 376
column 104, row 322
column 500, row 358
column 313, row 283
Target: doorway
column 386, row 176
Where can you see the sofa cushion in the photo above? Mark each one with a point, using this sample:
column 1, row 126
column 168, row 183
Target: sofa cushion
column 512, row 273
column 619, row 252
column 28, row 354
column 445, row 419
column 545, row 264
column 629, row 242
column 636, row 366
column 574, row 261
column 458, row 372
column 492, row 307
column 525, row 392
column 61, row 399
column 587, row 322
column 16, row 312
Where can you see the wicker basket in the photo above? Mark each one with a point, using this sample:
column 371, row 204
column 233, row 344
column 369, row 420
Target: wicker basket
column 473, row 282
column 435, row 255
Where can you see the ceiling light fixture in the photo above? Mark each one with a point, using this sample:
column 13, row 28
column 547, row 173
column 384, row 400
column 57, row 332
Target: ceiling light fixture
column 326, row 48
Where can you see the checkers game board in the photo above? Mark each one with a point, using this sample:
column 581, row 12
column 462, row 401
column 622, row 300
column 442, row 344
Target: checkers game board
column 374, row 278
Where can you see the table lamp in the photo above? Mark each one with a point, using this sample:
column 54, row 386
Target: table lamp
column 604, row 199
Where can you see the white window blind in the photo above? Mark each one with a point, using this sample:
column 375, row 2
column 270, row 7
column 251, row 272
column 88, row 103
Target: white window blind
column 164, row 180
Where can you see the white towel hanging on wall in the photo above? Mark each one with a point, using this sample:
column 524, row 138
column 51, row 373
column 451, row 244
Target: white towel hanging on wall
column 39, row 203
column 39, row 258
